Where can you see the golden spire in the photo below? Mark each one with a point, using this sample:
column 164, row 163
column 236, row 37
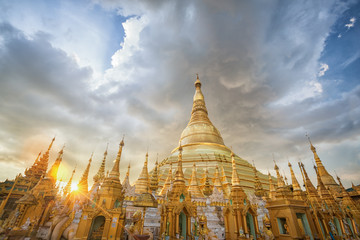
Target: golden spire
column 127, row 176
column 207, row 190
column 194, row 188
column 142, row 185
column 347, row 201
column 42, row 164
column 67, row 188
column 308, row 184
column 168, row 182
column 324, row 193
column 55, row 167
column 217, row 181
column 271, row 187
column 225, row 182
column 100, row 175
column 327, row 179
column 154, row 181
column 259, row 191
column 294, row 181
column 179, row 174
column 280, row 180
column 200, row 129
column 115, row 173
column 83, row 183
column 235, row 180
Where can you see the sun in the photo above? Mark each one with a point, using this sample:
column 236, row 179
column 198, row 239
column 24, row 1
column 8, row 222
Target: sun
column 74, row 187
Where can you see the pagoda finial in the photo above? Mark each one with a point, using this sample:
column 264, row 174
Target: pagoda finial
column 197, row 82
column 52, row 141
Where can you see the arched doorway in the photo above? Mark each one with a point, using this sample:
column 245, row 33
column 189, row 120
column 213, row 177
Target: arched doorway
column 182, row 225
column 250, row 224
column 97, row 228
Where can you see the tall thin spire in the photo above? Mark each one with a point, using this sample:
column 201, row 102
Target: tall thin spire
column 127, row 176
column 311, row 190
column 225, row 183
column 294, row 181
column 280, row 180
column 142, row 185
column 327, row 179
column 42, row 164
column 259, row 190
column 217, row 181
column 179, row 174
column 200, row 128
column 100, row 175
column 168, row 182
column 67, row 188
column 115, row 171
column 272, row 187
column 235, row 181
column 194, row 188
column 207, row 189
column 154, row 181
column 55, row 167
column 83, row 183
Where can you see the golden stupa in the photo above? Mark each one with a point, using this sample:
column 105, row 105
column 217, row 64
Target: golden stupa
column 202, row 144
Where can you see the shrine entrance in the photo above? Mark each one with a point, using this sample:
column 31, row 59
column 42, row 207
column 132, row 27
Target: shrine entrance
column 250, row 225
column 97, row 228
column 182, row 225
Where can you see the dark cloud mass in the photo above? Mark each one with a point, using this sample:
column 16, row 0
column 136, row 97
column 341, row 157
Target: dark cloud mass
column 258, row 61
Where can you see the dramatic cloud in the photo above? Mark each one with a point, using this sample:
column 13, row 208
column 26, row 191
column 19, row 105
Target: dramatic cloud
column 258, row 61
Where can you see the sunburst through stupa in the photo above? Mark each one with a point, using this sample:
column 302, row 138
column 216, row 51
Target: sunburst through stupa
column 201, row 191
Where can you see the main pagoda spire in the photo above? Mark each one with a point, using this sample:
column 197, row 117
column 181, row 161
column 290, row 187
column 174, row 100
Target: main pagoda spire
column 200, row 129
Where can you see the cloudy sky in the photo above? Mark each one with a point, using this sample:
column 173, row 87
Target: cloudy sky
column 89, row 72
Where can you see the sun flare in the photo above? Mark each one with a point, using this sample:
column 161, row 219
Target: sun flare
column 74, row 187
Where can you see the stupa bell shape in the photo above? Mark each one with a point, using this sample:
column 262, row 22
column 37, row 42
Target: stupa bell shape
column 202, row 143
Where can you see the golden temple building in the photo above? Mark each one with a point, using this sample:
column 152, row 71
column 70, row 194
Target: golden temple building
column 201, row 191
